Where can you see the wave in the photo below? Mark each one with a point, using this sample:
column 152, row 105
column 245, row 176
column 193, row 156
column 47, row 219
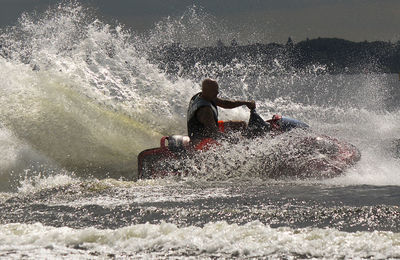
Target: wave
column 218, row 239
column 75, row 132
column 81, row 95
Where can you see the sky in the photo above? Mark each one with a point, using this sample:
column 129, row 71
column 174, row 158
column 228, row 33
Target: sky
column 250, row 20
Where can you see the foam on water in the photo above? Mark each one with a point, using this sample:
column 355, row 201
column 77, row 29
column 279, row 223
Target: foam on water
column 52, row 117
column 213, row 240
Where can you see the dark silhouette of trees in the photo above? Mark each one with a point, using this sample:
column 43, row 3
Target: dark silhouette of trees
column 289, row 43
column 234, row 43
column 336, row 55
column 220, row 44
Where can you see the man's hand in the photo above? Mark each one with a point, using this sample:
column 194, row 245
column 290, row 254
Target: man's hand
column 251, row 105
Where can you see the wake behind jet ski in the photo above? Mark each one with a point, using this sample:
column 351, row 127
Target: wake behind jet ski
column 334, row 156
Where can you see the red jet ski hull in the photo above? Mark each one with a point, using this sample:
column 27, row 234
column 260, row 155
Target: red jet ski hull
column 314, row 159
column 305, row 156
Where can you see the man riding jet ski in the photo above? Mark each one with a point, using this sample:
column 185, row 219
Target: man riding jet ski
column 202, row 117
column 331, row 158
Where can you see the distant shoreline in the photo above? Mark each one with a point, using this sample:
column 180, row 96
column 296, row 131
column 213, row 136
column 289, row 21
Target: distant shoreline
column 333, row 55
column 321, row 55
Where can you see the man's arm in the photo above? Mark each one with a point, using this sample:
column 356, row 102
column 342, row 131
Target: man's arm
column 234, row 103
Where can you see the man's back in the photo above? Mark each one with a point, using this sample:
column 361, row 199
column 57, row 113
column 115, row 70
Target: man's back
column 201, row 114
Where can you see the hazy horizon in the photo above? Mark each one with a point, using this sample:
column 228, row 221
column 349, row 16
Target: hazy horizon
column 249, row 21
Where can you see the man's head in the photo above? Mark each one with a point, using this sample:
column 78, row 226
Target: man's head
column 209, row 89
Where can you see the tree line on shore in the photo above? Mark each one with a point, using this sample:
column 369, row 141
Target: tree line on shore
column 332, row 54
column 321, row 55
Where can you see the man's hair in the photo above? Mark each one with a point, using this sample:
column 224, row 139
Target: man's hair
column 208, row 82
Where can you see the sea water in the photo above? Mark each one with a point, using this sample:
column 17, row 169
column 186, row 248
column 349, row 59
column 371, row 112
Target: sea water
column 80, row 98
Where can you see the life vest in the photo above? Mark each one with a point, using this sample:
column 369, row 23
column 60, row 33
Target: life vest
column 196, row 129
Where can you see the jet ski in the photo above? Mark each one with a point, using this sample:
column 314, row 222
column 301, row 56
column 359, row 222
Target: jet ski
column 334, row 156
